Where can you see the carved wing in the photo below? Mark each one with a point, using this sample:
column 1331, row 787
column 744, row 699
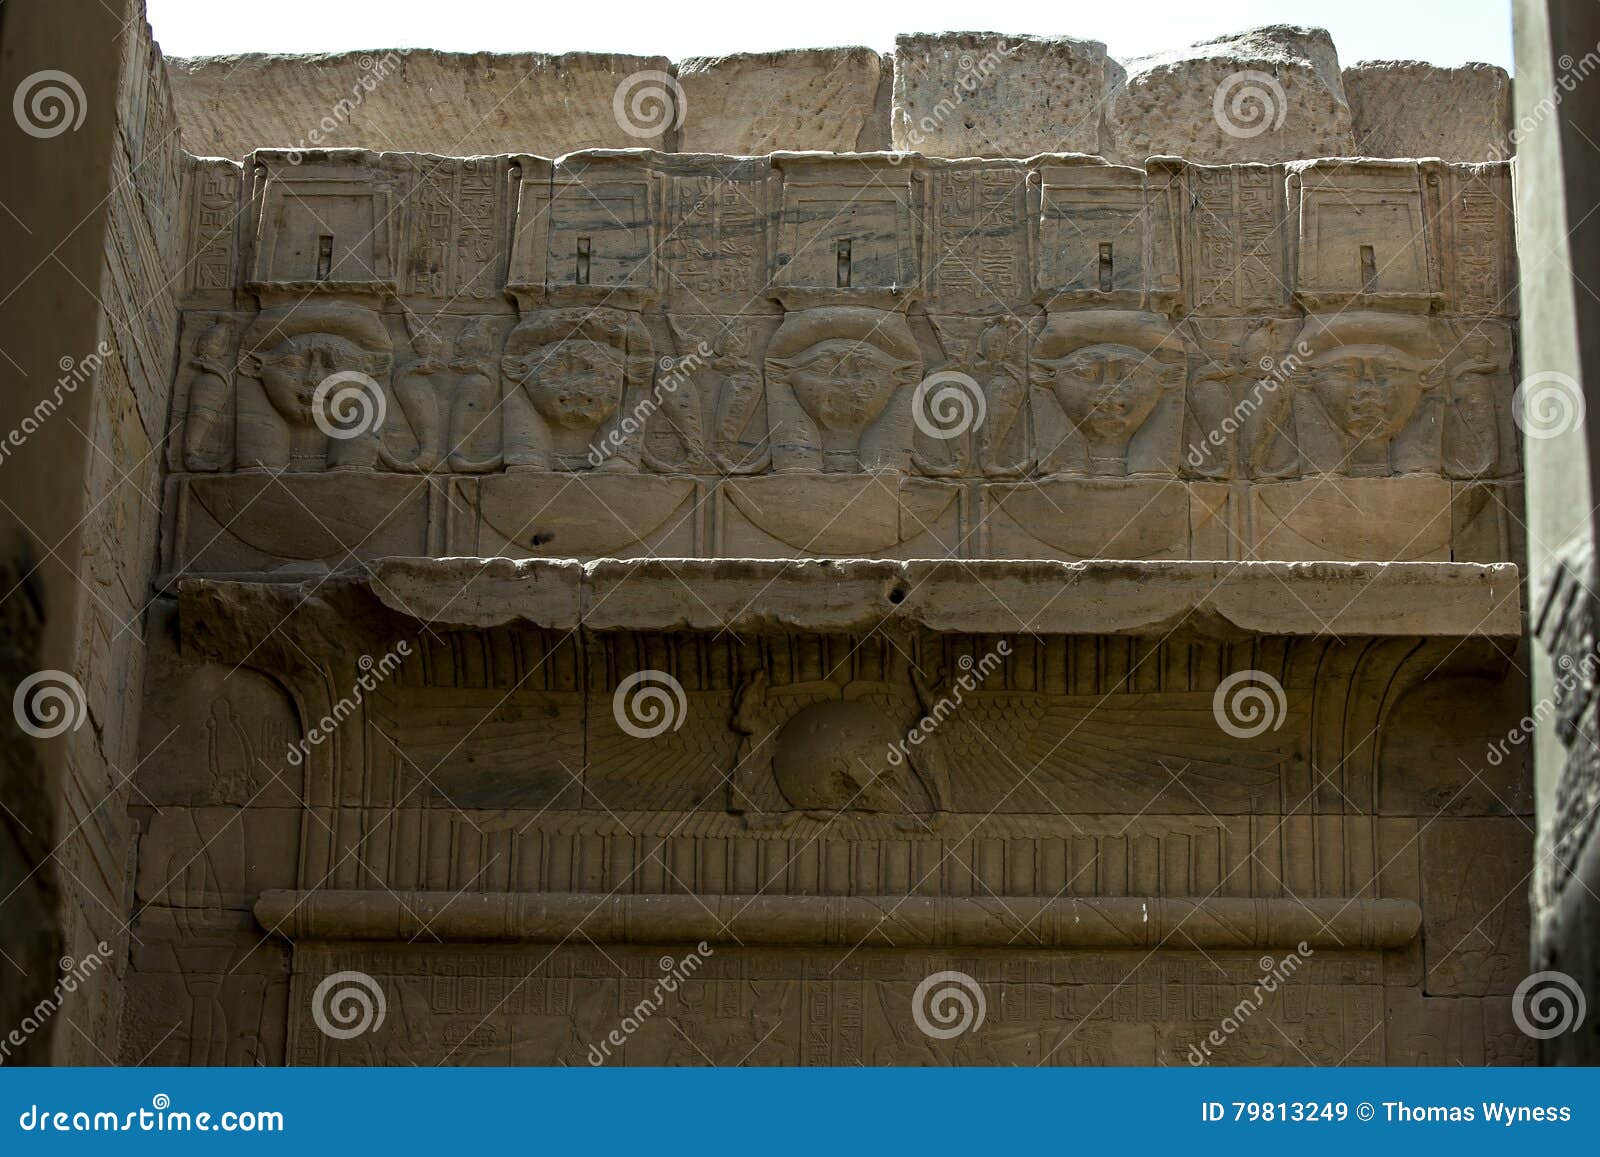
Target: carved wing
column 1116, row 754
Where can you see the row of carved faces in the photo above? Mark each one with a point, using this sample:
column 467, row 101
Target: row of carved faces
column 848, row 388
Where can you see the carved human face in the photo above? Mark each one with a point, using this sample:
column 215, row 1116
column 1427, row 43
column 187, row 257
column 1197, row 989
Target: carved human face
column 575, row 384
column 1109, row 390
column 844, row 384
column 292, row 370
column 1369, row 391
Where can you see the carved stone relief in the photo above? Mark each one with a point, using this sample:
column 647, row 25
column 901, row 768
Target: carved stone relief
column 1117, row 382
column 569, row 377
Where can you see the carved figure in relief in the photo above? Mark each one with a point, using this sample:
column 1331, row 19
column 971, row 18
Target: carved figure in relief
column 993, row 353
column 448, row 401
column 1241, row 400
column 1366, row 401
column 1118, row 377
column 1479, row 437
column 203, row 448
column 839, row 387
column 818, row 749
column 569, row 375
column 715, row 375
column 287, row 354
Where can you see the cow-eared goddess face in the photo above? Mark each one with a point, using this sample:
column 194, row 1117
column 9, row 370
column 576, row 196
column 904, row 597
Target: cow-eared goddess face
column 843, row 383
column 1109, row 389
column 575, row 383
column 291, row 371
column 1369, row 391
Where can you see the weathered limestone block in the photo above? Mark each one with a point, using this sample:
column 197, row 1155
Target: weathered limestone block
column 1270, row 94
column 761, row 102
column 453, row 104
column 1409, row 108
column 980, row 94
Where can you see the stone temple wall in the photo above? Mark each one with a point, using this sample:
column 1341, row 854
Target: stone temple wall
column 83, row 478
column 837, row 567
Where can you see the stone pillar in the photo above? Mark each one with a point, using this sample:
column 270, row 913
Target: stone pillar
column 1558, row 191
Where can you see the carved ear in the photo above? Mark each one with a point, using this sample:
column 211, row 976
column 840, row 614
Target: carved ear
column 1043, row 373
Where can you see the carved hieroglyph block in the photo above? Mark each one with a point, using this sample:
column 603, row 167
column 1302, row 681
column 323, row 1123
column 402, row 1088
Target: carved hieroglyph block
column 977, row 221
column 212, row 213
column 716, row 236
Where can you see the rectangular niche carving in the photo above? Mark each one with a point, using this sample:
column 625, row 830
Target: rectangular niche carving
column 321, row 229
column 1363, row 235
column 847, row 225
column 1094, row 235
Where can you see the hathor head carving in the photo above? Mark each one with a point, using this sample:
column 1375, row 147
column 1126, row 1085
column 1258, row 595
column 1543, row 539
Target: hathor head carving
column 1368, row 370
column 292, row 351
column 840, row 381
column 1109, row 369
column 574, row 365
column 844, row 364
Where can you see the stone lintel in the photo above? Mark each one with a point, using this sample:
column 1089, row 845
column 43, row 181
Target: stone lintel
column 1017, row 922
column 1224, row 600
